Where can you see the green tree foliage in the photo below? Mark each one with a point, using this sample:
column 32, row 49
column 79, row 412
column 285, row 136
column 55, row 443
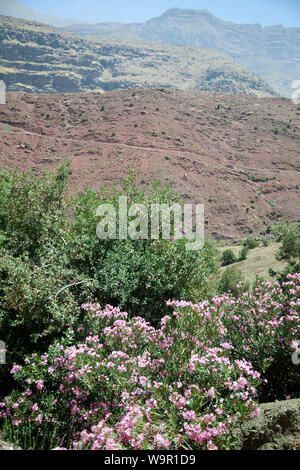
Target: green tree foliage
column 251, row 243
column 35, row 264
column 232, row 281
column 51, row 261
column 289, row 236
column 244, row 252
column 137, row 275
column 228, row 257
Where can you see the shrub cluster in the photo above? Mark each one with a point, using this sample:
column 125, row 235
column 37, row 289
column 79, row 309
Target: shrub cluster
column 119, row 383
column 128, row 385
column 51, row 260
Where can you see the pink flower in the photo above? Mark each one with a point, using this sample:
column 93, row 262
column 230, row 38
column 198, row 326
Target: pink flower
column 161, row 441
column 15, row 369
column 39, row 419
column 39, row 384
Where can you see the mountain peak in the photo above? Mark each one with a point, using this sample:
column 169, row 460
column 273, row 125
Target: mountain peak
column 180, row 12
column 16, row 9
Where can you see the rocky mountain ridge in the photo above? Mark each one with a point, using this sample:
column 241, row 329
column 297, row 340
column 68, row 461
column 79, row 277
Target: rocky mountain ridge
column 271, row 52
column 40, row 58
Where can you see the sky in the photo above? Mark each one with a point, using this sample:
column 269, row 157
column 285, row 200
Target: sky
column 264, row 12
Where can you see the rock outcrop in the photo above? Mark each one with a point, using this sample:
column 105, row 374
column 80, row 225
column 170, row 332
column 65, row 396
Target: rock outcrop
column 277, row 428
column 39, row 58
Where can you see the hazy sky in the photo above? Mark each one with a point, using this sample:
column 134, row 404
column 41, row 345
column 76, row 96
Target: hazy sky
column 265, row 12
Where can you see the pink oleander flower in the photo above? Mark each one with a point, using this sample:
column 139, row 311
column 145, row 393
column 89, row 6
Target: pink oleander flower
column 39, row 384
column 15, row 369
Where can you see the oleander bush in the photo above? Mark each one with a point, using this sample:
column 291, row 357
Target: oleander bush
column 119, row 383
column 167, row 375
column 51, row 260
column 127, row 385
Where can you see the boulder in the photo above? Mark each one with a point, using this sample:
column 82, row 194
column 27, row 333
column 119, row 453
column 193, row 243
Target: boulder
column 277, row 428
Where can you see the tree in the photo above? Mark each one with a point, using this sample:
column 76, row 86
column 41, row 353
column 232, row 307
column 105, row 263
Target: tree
column 228, row 257
column 230, row 280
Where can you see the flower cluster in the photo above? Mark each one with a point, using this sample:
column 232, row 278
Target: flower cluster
column 185, row 384
column 130, row 386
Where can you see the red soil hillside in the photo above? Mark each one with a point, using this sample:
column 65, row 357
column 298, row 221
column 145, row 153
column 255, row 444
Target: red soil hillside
column 238, row 155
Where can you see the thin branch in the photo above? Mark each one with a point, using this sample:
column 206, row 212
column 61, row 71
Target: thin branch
column 70, row 285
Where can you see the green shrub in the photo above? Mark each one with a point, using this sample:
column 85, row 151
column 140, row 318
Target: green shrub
column 289, row 251
column 40, row 291
column 244, row 253
column 230, row 280
column 137, row 275
column 228, row 257
column 251, row 243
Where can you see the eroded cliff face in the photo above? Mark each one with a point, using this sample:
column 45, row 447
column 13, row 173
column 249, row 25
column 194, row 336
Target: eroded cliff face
column 39, row 58
column 270, row 52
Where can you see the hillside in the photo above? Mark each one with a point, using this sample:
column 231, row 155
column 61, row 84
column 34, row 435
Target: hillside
column 238, row 155
column 271, row 52
column 258, row 262
column 18, row 10
column 39, row 58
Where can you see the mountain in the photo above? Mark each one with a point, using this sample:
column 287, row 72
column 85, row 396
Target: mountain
column 111, row 30
column 18, row 10
column 272, row 52
column 238, row 155
column 40, row 58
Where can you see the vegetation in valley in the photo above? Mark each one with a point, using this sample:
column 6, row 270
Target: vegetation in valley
column 131, row 344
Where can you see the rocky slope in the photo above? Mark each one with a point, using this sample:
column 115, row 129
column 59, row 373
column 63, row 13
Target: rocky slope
column 271, row 52
column 238, row 155
column 39, row 58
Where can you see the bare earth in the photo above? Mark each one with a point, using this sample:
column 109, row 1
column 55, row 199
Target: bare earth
column 239, row 155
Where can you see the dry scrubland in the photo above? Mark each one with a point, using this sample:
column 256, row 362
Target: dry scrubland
column 238, row 155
